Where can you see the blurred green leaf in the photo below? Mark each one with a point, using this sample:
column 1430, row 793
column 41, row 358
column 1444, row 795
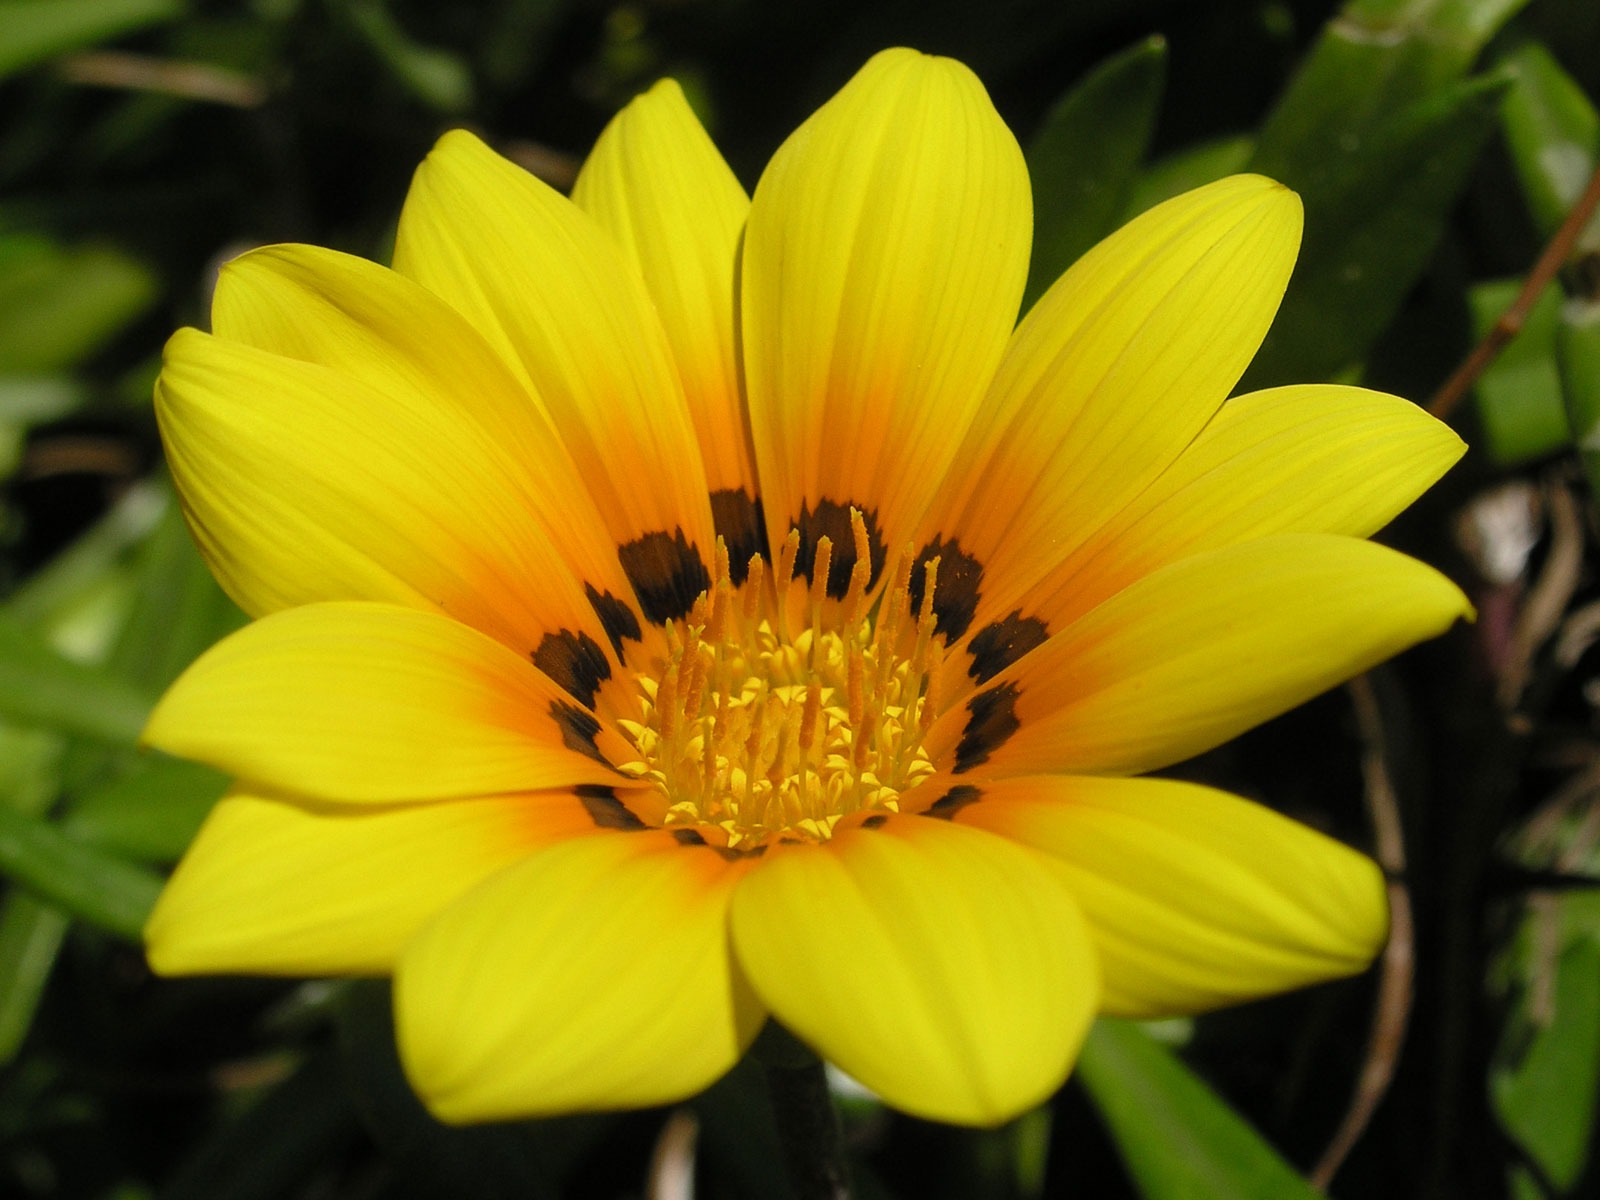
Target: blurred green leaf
column 87, row 883
column 97, row 551
column 1083, row 157
column 178, row 609
column 37, row 30
column 29, row 400
column 1178, row 173
column 518, row 36
column 149, row 812
column 1374, row 213
column 58, row 305
column 31, row 932
column 436, row 77
column 1519, row 396
column 38, row 686
column 1179, row 1140
column 1553, row 133
column 1546, row 1099
column 1578, row 357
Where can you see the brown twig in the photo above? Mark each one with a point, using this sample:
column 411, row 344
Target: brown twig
column 1512, row 320
column 143, row 73
column 1393, row 1008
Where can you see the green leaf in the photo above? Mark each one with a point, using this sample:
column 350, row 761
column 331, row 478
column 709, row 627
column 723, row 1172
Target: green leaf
column 37, row 30
column 1546, row 1100
column 1377, row 132
column 31, row 933
column 436, row 77
column 97, row 887
column 41, row 687
column 1553, row 132
column 1191, row 168
column 1374, row 213
column 178, row 609
column 1519, row 396
column 1083, row 157
column 1578, row 357
column 149, row 812
column 1375, row 58
column 1180, row 1141
column 59, row 305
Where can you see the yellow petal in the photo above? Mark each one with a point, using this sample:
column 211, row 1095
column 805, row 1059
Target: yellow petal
column 379, row 327
column 656, row 183
column 552, row 292
column 303, row 483
column 1115, row 370
column 1194, row 898
column 1316, row 458
column 945, row 969
column 275, row 887
column 883, row 264
column 595, row 975
column 1196, row 653
column 371, row 703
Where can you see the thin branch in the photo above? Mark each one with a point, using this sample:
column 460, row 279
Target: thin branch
column 1512, row 320
column 1392, row 1011
column 170, row 77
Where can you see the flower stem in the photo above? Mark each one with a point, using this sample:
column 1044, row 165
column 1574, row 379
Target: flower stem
column 802, row 1108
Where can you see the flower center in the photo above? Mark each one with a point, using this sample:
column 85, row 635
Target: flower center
column 777, row 713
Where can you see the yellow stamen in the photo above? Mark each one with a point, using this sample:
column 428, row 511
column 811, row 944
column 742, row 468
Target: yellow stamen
column 753, row 736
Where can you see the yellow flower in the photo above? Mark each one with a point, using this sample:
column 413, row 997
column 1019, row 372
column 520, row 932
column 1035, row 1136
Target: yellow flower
column 676, row 609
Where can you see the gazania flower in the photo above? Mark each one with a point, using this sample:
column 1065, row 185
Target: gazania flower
column 675, row 610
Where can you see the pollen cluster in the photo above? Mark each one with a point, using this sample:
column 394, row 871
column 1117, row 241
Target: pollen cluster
column 775, row 714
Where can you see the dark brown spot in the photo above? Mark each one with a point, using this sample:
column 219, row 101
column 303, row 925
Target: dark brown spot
column 991, row 720
column 833, row 520
column 578, row 727
column 876, row 821
column 953, row 801
column 955, row 591
column 667, row 574
column 605, row 809
column 616, row 618
column 996, row 646
column 687, row 837
column 737, row 517
column 576, row 663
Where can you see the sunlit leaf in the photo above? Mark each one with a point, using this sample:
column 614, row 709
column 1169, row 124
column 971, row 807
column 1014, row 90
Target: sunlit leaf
column 1178, row 1138
column 1578, row 357
column 1519, row 395
column 1552, row 131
